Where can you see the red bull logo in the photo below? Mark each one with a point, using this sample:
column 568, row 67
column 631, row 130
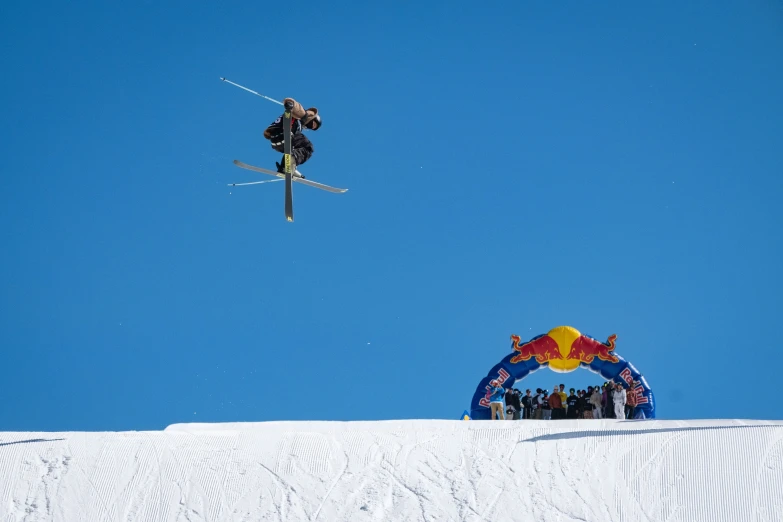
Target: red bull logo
column 586, row 349
column 543, row 349
column 564, row 348
column 626, row 376
column 636, row 386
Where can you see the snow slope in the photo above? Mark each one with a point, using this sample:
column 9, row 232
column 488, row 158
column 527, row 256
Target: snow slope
column 400, row 470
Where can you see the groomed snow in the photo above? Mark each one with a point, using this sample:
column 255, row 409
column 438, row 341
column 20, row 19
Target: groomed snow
column 400, row 470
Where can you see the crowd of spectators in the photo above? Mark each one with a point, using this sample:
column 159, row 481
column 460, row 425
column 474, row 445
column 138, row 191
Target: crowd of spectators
column 610, row 401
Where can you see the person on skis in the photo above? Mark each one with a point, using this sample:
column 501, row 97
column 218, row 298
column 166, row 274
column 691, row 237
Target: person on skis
column 301, row 147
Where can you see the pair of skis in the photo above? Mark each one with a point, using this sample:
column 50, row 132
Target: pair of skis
column 289, row 167
column 281, row 177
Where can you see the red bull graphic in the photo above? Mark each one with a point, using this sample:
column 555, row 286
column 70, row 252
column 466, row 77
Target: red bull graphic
column 563, row 349
column 586, row 349
column 636, row 386
column 543, row 348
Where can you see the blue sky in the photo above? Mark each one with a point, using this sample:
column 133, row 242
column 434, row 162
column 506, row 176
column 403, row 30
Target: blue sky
column 512, row 167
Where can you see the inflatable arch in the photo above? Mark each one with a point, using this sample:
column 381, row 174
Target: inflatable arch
column 563, row 349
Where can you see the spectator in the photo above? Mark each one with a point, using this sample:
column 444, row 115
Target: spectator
column 518, row 403
column 587, row 408
column 546, row 410
column 508, row 399
column 527, row 405
column 555, row 404
column 581, row 404
column 572, row 402
column 630, row 403
column 607, row 400
column 618, row 396
column 563, row 402
column 536, row 405
column 512, row 399
column 496, row 400
column 595, row 402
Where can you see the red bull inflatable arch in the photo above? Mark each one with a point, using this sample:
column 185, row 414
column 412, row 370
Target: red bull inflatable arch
column 563, row 349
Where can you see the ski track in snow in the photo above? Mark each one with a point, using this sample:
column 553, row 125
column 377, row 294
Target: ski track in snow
column 564, row 471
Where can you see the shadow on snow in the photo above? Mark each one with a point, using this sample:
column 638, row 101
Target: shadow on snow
column 28, row 441
column 618, row 432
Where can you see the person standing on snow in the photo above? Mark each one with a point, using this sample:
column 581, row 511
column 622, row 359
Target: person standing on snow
column 563, row 402
column 619, row 398
column 595, row 401
column 630, row 403
column 508, row 398
column 606, row 400
column 573, row 405
column 587, row 408
column 301, row 147
column 535, row 405
column 496, row 400
column 516, row 402
column 546, row 410
column 555, row 404
column 527, row 404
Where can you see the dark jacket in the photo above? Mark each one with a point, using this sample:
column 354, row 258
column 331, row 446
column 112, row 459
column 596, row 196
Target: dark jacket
column 301, row 147
column 512, row 399
column 572, row 402
column 536, row 402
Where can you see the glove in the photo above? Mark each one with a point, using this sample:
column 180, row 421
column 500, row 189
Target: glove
column 275, row 129
column 275, row 135
column 297, row 111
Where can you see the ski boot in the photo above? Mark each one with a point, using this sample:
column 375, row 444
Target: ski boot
column 281, row 169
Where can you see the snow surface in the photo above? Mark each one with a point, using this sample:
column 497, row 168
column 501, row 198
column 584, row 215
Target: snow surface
column 585, row 470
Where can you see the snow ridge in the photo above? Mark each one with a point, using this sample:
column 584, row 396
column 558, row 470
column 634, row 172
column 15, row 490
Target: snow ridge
column 580, row 470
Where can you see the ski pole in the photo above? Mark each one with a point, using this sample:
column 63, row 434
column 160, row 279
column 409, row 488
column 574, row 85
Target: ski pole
column 253, row 183
column 252, row 91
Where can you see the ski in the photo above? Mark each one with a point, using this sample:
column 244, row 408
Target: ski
column 296, row 179
column 288, row 163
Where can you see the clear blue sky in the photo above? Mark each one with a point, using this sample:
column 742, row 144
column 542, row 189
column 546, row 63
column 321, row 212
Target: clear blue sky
column 512, row 166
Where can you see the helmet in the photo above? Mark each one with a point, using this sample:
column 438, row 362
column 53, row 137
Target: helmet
column 316, row 118
column 312, row 124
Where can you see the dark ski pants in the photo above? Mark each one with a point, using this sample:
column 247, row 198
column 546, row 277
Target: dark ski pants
column 301, row 149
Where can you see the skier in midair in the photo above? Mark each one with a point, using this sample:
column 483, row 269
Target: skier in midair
column 301, row 147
